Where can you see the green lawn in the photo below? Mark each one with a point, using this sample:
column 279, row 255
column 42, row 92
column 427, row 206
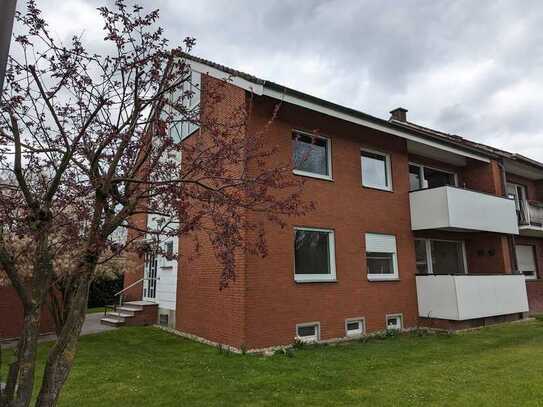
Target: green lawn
column 501, row 365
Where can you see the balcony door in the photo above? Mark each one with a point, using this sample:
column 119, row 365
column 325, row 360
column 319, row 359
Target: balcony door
column 518, row 193
column 440, row 256
column 421, row 177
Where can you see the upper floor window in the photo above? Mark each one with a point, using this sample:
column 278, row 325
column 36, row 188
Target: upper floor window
column 188, row 95
column 421, row 177
column 376, row 172
column 381, row 259
column 314, row 255
column 311, row 155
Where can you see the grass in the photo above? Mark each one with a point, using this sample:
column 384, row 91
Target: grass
column 501, row 365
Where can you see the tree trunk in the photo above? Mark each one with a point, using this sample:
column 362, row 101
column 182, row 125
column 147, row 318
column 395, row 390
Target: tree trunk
column 20, row 381
column 62, row 354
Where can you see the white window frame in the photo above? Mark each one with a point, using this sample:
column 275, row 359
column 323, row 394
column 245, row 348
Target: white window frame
column 399, row 315
column 388, row 168
column 421, row 174
column 382, row 277
column 357, row 333
column 534, row 252
column 309, row 339
column 318, row 278
column 428, row 244
column 327, row 177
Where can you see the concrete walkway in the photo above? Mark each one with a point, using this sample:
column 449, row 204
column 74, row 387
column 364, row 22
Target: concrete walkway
column 91, row 325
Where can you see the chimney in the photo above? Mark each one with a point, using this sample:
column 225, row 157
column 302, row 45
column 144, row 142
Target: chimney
column 399, row 114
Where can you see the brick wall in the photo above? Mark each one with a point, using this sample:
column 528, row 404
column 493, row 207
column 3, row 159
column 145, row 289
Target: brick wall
column 202, row 309
column 275, row 303
column 11, row 315
column 264, row 304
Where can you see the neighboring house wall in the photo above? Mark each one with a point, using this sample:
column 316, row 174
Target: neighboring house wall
column 11, row 315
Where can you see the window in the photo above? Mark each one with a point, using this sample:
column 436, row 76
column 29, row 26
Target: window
column 189, row 95
column 526, row 261
column 394, row 322
column 447, row 257
column 311, row 155
column 518, row 193
column 376, row 171
column 421, row 256
column 440, row 256
column 421, row 177
column 308, row 332
column 314, row 255
column 354, row 327
column 381, row 259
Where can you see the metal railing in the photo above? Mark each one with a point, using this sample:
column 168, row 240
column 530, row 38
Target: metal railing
column 530, row 214
column 120, row 294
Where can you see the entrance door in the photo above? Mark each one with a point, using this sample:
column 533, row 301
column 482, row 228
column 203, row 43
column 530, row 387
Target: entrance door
column 151, row 274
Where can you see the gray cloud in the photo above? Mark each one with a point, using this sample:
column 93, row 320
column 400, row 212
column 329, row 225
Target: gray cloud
column 465, row 67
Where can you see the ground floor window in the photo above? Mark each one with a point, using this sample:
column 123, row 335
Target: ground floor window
column 381, row 259
column 526, row 261
column 314, row 255
column 440, row 256
column 394, row 322
column 308, row 332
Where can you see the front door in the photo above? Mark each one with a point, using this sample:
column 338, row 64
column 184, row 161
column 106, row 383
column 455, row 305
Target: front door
column 149, row 283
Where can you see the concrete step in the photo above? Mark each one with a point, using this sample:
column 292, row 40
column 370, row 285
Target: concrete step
column 120, row 315
column 129, row 308
column 140, row 304
column 126, row 310
column 112, row 321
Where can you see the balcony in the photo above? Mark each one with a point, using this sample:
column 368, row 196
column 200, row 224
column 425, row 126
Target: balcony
column 530, row 219
column 469, row 296
column 457, row 209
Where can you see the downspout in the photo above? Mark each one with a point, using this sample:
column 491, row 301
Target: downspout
column 511, row 239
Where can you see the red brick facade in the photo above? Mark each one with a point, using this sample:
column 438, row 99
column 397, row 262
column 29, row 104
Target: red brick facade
column 262, row 307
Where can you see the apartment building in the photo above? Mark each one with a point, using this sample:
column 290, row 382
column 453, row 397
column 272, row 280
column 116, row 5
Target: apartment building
column 412, row 227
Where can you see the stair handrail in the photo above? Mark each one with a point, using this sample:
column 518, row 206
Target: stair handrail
column 120, row 293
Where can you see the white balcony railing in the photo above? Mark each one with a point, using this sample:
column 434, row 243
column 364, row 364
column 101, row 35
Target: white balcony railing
column 530, row 218
column 451, row 208
column 468, row 296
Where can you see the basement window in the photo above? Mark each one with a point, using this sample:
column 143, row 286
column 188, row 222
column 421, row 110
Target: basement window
column 394, row 322
column 163, row 319
column 354, row 327
column 308, row 332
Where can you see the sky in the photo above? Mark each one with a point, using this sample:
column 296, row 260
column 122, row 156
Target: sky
column 472, row 68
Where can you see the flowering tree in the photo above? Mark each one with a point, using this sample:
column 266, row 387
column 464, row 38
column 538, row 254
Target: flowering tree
column 86, row 145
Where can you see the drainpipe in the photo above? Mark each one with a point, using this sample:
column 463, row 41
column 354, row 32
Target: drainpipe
column 6, row 26
column 511, row 240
